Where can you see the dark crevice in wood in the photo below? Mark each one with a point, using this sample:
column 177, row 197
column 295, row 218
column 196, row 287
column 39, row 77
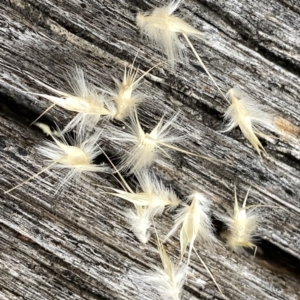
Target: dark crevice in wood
column 286, row 63
column 19, row 106
column 277, row 259
column 139, row 6
column 292, row 5
column 17, row 111
column 13, row 292
column 202, row 294
column 268, row 255
column 251, row 41
column 286, row 158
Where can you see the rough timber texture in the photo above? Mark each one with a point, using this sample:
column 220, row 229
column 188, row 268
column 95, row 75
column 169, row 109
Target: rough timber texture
column 77, row 244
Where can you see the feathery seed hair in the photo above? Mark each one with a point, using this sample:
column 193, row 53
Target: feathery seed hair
column 249, row 116
column 150, row 201
column 76, row 158
column 153, row 194
column 140, row 222
column 141, row 149
column 195, row 223
column 169, row 280
column 161, row 27
column 125, row 96
column 242, row 224
column 84, row 98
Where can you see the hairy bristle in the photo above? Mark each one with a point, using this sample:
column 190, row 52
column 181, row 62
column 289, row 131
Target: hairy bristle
column 84, row 98
column 125, row 96
column 161, row 27
column 153, row 194
column 141, row 149
column 76, row 158
column 241, row 224
column 162, row 196
column 249, row 116
column 169, row 280
column 140, row 222
column 196, row 224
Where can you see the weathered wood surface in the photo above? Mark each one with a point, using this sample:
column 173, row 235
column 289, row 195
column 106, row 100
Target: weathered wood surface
column 77, row 244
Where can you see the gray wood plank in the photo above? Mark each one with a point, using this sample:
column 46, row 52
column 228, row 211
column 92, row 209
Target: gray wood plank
column 77, row 244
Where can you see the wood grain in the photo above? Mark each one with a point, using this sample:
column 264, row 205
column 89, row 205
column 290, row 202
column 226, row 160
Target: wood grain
column 76, row 244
